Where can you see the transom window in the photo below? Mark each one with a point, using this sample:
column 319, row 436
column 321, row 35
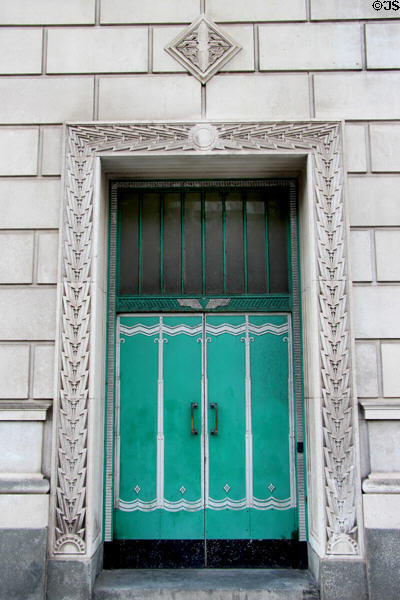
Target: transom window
column 203, row 238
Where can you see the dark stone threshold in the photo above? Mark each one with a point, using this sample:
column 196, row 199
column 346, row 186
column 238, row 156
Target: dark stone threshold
column 214, row 554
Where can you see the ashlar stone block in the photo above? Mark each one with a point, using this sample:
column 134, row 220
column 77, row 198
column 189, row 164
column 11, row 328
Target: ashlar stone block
column 14, row 371
column 51, row 150
column 376, row 311
column 46, row 100
column 242, row 34
column 366, row 370
column 309, row 46
column 269, row 97
column 355, row 148
column 27, row 313
column 361, row 256
column 374, row 201
column 43, row 372
column 391, row 370
column 152, row 97
column 256, row 10
column 156, row 11
column 18, row 151
column 16, row 252
column 383, row 45
column 20, row 51
column 387, row 244
column 384, row 443
column 21, row 446
column 358, row 96
column 343, row 9
column 385, row 145
column 46, row 12
column 29, row 204
column 98, row 50
column 47, row 257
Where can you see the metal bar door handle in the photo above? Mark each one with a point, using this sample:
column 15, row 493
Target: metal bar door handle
column 193, row 405
column 214, row 431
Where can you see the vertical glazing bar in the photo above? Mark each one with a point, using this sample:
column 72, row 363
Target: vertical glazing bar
column 161, row 243
column 140, row 243
column 182, row 240
column 266, row 245
column 224, row 237
column 203, row 241
column 244, row 213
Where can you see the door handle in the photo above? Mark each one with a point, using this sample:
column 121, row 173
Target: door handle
column 214, row 431
column 193, row 405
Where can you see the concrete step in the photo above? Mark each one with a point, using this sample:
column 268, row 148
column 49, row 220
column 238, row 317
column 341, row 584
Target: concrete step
column 205, row 584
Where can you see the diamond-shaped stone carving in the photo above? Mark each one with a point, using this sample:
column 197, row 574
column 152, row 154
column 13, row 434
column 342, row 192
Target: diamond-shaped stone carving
column 202, row 48
column 227, row 487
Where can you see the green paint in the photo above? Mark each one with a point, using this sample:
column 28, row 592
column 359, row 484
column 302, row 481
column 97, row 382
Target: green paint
column 228, row 458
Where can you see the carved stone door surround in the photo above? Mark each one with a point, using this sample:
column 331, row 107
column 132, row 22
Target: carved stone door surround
column 92, row 151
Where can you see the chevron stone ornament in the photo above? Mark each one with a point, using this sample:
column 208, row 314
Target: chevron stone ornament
column 86, row 142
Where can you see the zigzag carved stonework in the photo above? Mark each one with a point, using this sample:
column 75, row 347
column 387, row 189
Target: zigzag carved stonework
column 84, row 142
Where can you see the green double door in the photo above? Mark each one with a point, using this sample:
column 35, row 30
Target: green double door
column 206, row 426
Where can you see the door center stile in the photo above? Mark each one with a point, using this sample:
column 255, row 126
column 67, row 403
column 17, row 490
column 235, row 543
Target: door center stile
column 160, row 417
column 204, row 415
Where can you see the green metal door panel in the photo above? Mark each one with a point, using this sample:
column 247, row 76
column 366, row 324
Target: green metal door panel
column 226, row 449
column 238, row 472
column 273, row 524
column 183, row 517
column 138, row 419
column 272, row 427
column 270, row 407
column 160, row 491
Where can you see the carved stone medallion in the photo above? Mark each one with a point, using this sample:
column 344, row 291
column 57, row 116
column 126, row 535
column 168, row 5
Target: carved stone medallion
column 202, row 48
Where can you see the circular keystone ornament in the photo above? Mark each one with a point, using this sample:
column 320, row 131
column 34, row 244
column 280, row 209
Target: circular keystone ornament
column 203, row 136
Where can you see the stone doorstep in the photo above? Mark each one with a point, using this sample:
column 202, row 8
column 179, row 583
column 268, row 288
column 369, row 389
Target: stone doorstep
column 205, row 584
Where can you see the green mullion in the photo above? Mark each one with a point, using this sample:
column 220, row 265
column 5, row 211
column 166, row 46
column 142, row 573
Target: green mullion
column 182, row 240
column 203, row 242
column 266, row 245
column 244, row 214
column 223, row 238
column 140, row 243
column 161, row 243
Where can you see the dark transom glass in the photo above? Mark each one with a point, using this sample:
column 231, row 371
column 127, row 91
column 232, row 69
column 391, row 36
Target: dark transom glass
column 203, row 240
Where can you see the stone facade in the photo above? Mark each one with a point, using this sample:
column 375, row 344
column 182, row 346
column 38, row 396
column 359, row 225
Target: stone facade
column 306, row 61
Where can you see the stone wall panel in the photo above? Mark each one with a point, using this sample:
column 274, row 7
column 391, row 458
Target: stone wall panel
column 29, row 203
column 19, row 151
column 47, row 12
column 46, row 100
column 152, row 97
column 268, row 97
column 156, row 11
column 357, row 96
column 27, row 313
column 16, row 251
column 20, row 51
column 99, row 50
column 309, row 46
